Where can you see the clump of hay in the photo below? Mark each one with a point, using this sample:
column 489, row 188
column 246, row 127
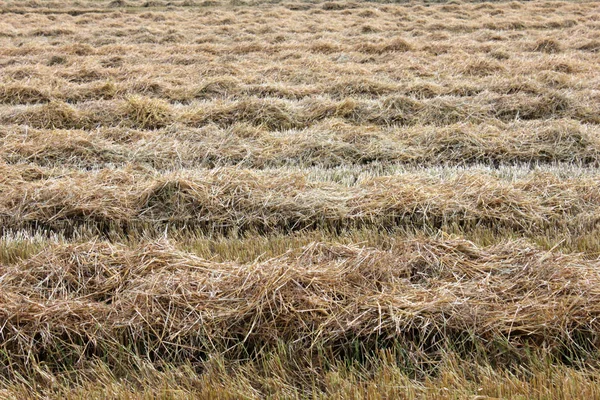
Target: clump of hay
column 591, row 46
column 481, row 67
column 112, row 62
column 361, row 86
column 336, row 6
column 55, row 114
column 499, row 55
column 424, row 90
column 55, row 147
column 397, row 109
column 21, row 94
column 522, row 106
column 57, row 60
column 325, row 47
column 216, row 87
column 153, row 3
column 78, row 49
column 369, row 29
column 52, row 32
column 117, row 4
column 550, row 46
column 369, row 13
column 273, row 115
column 146, row 113
column 95, row 91
column 247, row 131
column 389, row 46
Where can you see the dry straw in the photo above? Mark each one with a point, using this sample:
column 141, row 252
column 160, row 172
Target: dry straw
column 242, row 129
column 159, row 300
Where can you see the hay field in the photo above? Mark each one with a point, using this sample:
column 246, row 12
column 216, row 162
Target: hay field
column 204, row 199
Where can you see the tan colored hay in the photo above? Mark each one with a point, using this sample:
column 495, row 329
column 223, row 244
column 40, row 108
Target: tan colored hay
column 423, row 287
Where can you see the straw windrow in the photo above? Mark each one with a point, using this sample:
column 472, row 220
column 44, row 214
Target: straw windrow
column 160, row 300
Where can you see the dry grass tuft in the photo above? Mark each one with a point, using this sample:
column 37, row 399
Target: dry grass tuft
column 270, row 114
column 549, row 46
column 216, row 87
column 524, row 107
column 21, row 94
column 146, row 113
column 52, row 32
column 482, row 67
column 591, row 46
column 117, row 3
column 53, row 115
column 389, row 46
column 333, row 6
column 56, row 60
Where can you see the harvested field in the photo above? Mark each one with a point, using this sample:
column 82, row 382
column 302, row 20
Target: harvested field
column 249, row 199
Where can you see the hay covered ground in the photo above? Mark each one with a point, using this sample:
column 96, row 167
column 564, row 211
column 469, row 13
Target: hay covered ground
column 299, row 199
